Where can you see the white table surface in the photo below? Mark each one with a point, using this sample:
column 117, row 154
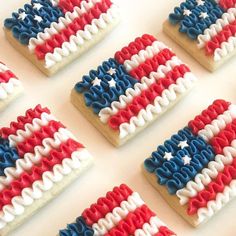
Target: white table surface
column 115, row 166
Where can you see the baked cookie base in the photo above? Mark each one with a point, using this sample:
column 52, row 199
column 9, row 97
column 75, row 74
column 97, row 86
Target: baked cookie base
column 191, row 47
column 40, row 64
column 47, row 197
column 111, row 135
column 18, row 91
column 172, row 200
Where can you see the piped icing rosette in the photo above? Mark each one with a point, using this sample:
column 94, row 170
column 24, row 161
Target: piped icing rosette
column 211, row 23
column 197, row 164
column 141, row 82
column 38, row 155
column 10, row 86
column 55, row 29
column 120, row 212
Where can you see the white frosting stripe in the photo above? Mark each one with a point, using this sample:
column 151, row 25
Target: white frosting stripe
column 9, row 88
column 159, row 106
column 131, row 93
column 62, row 23
column 29, row 195
column 77, row 41
column 207, row 174
column 31, row 159
column 143, row 55
column 150, row 228
column 113, row 218
column 218, row 124
column 214, row 206
column 216, row 28
column 30, row 128
column 226, row 47
column 3, row 68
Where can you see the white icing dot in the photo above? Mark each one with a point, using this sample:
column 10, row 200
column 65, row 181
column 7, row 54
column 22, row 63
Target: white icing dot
column 168, row 156
column 38, row 18
column 200, row 2
column 37, row 6
column 187, row 12
column 112, row 83
column 96, row 82
column 22, row 15
column 186, row 159
column 111, row 71
column 183, row 144
column 203, row 15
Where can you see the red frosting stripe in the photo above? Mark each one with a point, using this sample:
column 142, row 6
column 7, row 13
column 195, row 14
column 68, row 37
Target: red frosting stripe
column 106, row 204
column 223, row 36
column 135, row 220
column 147, row 97
column 37, row 138
column 26, row 179
column 164, row 231
column 6, row 76
column 134, row 47
column 226, row 4
column 224, row 138
column 78, row 23
column 208, row 115
column 22, row 120
column 68, row 5
column 223, row 179
column 151, row 64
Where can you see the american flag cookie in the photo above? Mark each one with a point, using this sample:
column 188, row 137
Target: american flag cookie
column 10, row 86
column 195, row 170
column 128, row 92
column 39, row 157
column 206, row 29
column 120, row 212
column 53, row 33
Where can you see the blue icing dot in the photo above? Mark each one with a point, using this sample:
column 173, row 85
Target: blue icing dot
column 79, row 228
column 175, row 173
column 24, row 24
column 101, row 94
column 8, row 156
column 194, row 24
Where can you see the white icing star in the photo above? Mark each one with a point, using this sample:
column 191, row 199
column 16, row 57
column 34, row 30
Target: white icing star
column 38, row 18
column 112, row 83
column 96, row 82
column 37, row 6
column 183, row 144
column 204, row 15
column 111, row 71
column 186, row 159
column 200, row 2
column 187, row 12
column 168, row 156
column 22, row 15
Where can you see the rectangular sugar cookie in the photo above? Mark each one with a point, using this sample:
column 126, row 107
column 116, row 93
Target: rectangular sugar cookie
column 128, row 92
column 206, row 29
column 53, row 33
column 39, row 158
column 120, row 212
column 195, row 170
column 10, row 86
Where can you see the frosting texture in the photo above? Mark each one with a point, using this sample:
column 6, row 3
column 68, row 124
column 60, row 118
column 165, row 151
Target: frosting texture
column 179, row 160
column 210, row 141
column 30, row 20
column 120, row 212
column 37, row 152
column 104, row 85
column 8, row 155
